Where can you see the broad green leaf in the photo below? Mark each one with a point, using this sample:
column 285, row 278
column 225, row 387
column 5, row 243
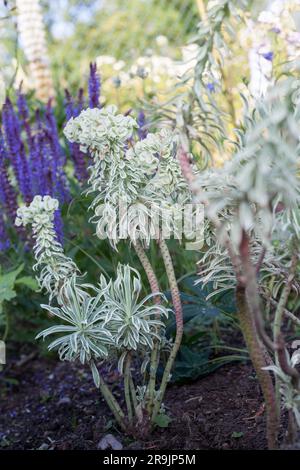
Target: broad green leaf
column 29, row 282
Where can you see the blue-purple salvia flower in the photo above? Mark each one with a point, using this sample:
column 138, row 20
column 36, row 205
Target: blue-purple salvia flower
column 78, row 157
column 8, row 195
column 16, row 150
column 57, row 157
column 69, row 105
column 4, row 240
column 39, row 161
column 141, row 120
column 22, row 105
column 81, row 101
column 268, row 55
column 94, row 86
column 24, row 119
column 58, row 226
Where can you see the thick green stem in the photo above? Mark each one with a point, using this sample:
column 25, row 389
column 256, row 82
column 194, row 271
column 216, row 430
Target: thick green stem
column 133, row 394
column 127, row 374
column 179, row 324
column 112, row 403
column 154, row 359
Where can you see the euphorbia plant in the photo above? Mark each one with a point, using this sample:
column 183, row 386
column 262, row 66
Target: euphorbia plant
column 252, row 240
column 110, row 319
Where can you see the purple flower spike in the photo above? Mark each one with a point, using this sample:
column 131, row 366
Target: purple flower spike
column 4, row 240
column 268, row 55
column 57, row 156
column 81, row 100
column 53, row 131
column 23, row 113
column 22, row 105
column 8, row 195
column 69, row 105
column 17, row 154
column 58, row 226
column 94, row 86
column 76, row 154
column 39, row 161
column 79, row 163
column 141, row 120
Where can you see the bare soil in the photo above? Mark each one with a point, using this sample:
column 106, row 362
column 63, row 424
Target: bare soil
column 45, row 404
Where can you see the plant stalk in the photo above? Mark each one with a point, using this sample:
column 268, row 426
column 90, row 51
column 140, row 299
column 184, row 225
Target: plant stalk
column 179, row 324
column 251, row 321
column 127, row 374
column 112, row 403
column 259, row 362
column 154, row 359
column 133, row 394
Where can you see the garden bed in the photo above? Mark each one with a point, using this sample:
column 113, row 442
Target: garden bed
column 50, row 405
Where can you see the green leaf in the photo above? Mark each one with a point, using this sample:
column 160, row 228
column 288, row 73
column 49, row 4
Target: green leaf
column 162, row 420
column 6, row 293
column 7, row 282
column 29, row 282
column 10, row 278
column 95, row 373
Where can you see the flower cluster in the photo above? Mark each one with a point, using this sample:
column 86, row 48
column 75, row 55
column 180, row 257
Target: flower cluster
column 145, row 174
column 56, row 269
column 101, row 131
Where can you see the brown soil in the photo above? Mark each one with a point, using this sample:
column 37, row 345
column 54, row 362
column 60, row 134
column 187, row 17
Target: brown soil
column 50, row 405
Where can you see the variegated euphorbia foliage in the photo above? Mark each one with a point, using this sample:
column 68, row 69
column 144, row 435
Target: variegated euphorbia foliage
column 111, row 319
column 132, row 182
column 109, row 315
column 252, row 238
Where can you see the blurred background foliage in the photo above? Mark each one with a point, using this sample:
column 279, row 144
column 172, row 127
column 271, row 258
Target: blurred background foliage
column 114, row 33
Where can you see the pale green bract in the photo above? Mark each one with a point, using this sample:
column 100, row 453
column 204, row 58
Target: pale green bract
column 86, row 336
column 135, row 183
column 55, row 267
column 100, row 131
column 133, row 323
column 115, row 319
